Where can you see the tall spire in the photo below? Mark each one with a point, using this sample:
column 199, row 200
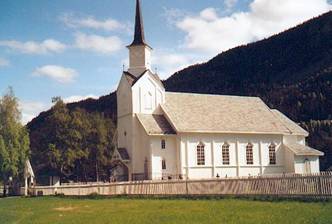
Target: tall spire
column 139, row 38
column 139, row 50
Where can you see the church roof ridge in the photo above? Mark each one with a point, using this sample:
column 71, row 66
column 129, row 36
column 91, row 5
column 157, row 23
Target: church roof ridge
column 135, row 79
column 214, row 95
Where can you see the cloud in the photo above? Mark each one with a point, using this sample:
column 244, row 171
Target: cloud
column 30, row 109
column 230, row 4
column 170, row 62
column 57, row 73
column 4, row 62
column 90, row 22
column 32, row 47
column 77, row 98
column 209, row 14
column 211, row 33
column 173, row 15
column 99, row 44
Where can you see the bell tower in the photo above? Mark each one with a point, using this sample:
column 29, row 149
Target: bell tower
column 139, row 50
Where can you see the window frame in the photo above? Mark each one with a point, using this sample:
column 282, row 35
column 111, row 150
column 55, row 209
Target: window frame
column 163, row 144
column 163, row 164
column 200, row 154
column 250, row 154
column 225, row 154
column 272, row 154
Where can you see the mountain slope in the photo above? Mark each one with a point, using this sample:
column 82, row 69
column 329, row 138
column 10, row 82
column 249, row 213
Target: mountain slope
column 291, row 72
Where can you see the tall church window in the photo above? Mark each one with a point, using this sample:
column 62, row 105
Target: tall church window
column 200, row 154
column 163, row 164
column 272, row 154
column 225, row 154
column 250, row 154
column 163, row 144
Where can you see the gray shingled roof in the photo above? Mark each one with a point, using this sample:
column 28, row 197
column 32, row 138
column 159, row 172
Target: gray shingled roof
column 132, row 79
column 155, row 124
column 221, row 114
column 123, row 153
column 291, row 125
column 303, row 150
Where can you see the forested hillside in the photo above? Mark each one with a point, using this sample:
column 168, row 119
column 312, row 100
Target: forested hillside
column 291, row 72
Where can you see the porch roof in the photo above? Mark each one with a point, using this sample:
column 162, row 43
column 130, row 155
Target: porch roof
column 155, row 124
column 303, row 150
column 123, row 153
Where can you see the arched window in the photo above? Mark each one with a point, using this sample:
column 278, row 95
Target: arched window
column 249, row 154
column 272, row 154
column 225, row 154
column 163, row 144
column 200, row 154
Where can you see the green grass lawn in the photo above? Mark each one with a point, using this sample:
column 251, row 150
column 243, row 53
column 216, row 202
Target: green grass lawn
column 65, row 210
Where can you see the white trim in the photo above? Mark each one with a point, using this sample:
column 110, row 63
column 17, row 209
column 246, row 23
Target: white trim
column 226, row 166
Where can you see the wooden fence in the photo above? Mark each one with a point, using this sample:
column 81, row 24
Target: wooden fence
column 289, row 185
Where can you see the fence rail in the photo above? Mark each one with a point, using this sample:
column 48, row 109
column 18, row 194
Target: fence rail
column 286, row 185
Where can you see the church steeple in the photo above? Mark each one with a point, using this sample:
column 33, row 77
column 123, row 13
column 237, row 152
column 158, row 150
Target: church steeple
column 139, row 38
column 139, row 50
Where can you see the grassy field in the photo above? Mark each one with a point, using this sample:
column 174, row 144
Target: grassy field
column 65, row 210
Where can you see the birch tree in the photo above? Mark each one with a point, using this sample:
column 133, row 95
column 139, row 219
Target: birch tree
column 14, row 140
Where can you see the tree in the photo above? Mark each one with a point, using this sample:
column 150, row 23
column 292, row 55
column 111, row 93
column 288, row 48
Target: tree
column 14, row 140
column 73, row 144
column 100, row 142
column 64, row 142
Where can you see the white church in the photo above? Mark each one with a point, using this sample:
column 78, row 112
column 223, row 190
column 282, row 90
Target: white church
column 167, row 135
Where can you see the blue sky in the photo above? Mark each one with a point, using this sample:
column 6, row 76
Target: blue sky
column 76, row 49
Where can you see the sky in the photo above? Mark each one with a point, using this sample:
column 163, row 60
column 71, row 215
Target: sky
column 76, row 49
